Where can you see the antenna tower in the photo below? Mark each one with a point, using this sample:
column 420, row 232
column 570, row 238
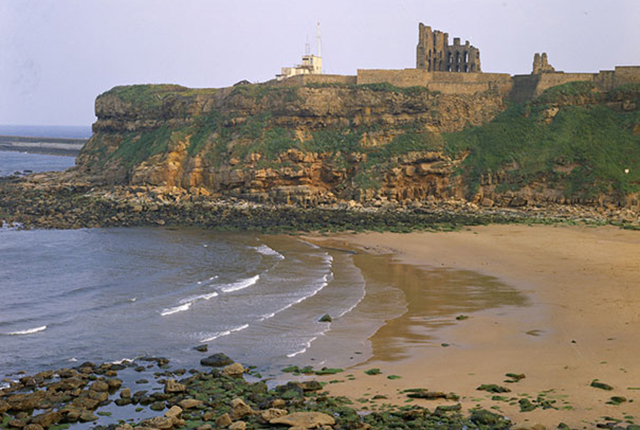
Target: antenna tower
column 319, row 44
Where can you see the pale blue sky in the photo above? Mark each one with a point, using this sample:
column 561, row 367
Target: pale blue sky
column 56, row 56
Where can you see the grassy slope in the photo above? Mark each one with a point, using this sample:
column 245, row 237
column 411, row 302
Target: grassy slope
column 593, row 141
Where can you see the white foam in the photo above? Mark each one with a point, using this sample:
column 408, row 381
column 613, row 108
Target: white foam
column 133, row 299
column 303, row 350
column 194, row 299
column 28, row 331
column 213, row 277
column 181, row 308
column 240, row 285
column 73, row 359
column 265, row 250
column 124, row 360
column 224, row 333
column 300, row 300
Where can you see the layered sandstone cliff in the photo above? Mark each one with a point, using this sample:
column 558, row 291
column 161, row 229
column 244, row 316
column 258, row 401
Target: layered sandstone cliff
column 301, row 144
column 366, row 143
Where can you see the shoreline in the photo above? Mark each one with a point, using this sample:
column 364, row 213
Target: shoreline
column 566, row 332
column 508, row 309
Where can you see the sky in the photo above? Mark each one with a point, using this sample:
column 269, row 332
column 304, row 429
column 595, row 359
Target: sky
column 56, row 56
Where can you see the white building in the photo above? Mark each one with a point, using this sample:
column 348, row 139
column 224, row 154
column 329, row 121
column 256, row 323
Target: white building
column 311, row 65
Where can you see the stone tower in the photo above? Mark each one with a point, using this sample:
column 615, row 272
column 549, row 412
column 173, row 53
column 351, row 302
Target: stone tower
column 434, row 54
column 541, row 64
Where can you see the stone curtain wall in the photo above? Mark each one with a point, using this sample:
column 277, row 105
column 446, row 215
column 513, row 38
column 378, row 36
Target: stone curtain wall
column 445, row 82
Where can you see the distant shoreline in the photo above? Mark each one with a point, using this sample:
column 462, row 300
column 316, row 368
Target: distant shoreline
column 42, row 145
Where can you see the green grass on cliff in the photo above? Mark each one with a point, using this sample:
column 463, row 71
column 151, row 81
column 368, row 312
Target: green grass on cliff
column 586, row 149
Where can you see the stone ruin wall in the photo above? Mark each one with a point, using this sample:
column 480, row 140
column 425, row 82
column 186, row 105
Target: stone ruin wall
column 302, row 80
column 445, row 82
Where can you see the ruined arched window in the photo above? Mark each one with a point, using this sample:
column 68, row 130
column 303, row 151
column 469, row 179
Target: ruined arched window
column 457, row 58
column 466, row 57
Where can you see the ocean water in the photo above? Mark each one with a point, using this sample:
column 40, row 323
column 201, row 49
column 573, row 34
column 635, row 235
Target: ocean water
column 58, row 131
column 109, row 294
column 12, row 162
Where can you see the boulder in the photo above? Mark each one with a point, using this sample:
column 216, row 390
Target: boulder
column 114, row 384
column 47, row 419
column 125, row 393
column 161, row 423
column 235, row 369
column 190, row 403
column 240, row 409
column 87, row 416
column 305, row 420
column 16, row 423
column 223, row 421
column 273, row 413
column 99, row 386
column 171, row 386
column 34, row 427
column 216, row 360
column 174, row 412
column 239, row 425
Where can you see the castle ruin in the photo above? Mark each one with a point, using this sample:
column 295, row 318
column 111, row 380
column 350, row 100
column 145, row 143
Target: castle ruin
column 455, row 69
column 541, row 64
column 434, row 54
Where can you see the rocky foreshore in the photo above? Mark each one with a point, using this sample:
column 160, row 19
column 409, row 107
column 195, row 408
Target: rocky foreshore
column 97, row 395
column 61, row 201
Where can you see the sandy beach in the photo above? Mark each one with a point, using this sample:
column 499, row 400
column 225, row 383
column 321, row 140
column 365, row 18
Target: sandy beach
column 559, row 304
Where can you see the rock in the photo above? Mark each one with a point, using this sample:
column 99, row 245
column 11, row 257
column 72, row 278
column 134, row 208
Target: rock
column 601, row 385
column 161, row 423
column 33, row 427
column 429, row 395
column 278, row 403
column 235, row 369
column 125, row 393
column 114, row 384
column 311, row 386
column 47, row 419
column 223, row 421
column 16, row 423
column 484, row 417
column 239, row 425
column 205, row 427
column 216, row 360
column 174, row 412
column 325, row 318
column 87, row 416
column 190, row 403
column 202, row 348
column 305, row 420
column 99, row 386
column 240, row 409
column 4, row 406
column 493, row 388
column 171, row 386
column 273, row 413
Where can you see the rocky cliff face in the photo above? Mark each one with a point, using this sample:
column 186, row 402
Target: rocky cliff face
column 298, row 145
column 366, row 143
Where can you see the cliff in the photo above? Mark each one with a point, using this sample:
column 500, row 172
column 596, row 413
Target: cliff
column 369, row 143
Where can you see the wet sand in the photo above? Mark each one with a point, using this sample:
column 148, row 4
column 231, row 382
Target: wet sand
column 558, row 304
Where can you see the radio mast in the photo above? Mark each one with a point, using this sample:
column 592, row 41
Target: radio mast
column 319, row 44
